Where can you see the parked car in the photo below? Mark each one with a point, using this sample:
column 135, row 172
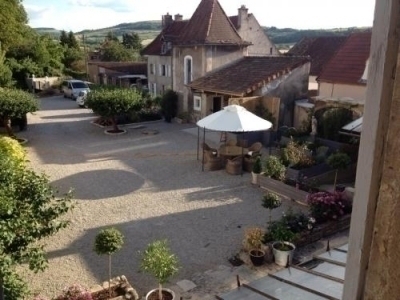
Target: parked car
column 71, row 88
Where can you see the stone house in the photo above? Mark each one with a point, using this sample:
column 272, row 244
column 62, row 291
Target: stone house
column 278, row 80
column 320, row 50
column 188, row 49
column 345, row 75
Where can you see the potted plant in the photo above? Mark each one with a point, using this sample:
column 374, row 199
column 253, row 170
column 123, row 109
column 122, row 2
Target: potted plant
column 159, row 261
column 253, row 239
column 282, row 248
column 108, row 241
column 338, row 161
column 271, row 201
column 257, row 168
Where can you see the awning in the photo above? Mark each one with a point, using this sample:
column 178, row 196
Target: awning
column 354, row 128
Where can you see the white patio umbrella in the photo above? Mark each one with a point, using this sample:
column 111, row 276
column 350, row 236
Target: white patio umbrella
column 233, row 118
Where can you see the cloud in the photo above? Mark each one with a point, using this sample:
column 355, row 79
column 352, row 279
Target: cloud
column 37, row 13
column 114, row 5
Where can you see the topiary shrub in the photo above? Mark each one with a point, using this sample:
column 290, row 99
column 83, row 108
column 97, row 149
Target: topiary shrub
column 111, row 103
column 169, row 105
column 159, row 261
column 108, row 241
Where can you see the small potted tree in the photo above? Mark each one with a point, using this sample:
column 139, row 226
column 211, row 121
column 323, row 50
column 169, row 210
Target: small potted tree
column 108, row 241
column 257, row 168
column 271, row 201
column 338, row 161
column 253, row 238
column 159, row 261
column 282, row 248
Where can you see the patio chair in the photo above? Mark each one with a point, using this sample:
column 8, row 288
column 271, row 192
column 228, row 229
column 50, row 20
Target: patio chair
column 234, row 165
column 212, row 162
column 248, row 162
column 255, row 149
column 208, row 151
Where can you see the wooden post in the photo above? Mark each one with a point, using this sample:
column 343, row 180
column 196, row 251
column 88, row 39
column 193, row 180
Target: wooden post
column 383, row 60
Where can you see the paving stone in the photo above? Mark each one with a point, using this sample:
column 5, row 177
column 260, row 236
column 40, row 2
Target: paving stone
column 186, row 285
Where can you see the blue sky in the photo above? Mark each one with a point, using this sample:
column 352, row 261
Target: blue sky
column 77, row 15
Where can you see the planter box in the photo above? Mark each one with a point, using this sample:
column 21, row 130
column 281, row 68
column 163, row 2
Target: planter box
column 324, row 230
column 344, row 176
column 308, row 172
column 282, row 189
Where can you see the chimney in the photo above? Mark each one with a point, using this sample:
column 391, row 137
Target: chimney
column 178, row 17
column 166, row 20
column 242, row 15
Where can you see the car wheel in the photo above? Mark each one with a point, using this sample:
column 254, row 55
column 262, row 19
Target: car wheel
column 65, row 96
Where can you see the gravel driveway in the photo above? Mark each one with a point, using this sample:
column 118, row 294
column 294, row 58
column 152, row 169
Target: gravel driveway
column 148, row 186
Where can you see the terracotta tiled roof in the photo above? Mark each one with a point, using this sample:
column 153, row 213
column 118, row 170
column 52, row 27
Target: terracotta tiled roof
column 209, row 25
column 320, row 50
column 123, row 67
column 348, row 64
column 247, row 74
column 169, row 34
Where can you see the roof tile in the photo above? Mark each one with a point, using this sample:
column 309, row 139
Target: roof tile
column 246, row 73
column 210, row 25
column 348, row 64
column 320, row 50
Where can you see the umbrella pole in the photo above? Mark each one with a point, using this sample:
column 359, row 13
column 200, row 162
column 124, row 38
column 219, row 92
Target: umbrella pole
column 204, row 140
column 198, row 141
column 241, row 171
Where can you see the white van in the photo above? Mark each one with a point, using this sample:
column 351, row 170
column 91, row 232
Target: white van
column 71, row 88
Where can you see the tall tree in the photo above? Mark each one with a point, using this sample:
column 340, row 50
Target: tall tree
column 72, row 42
column 111, row 37
column 64, row 38
column 29, row 212
column 13, row 23
column 132, row 41
column 115, row 51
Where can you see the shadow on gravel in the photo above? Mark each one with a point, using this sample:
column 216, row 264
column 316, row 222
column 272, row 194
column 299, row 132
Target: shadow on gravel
column 99, row 184
column 201, row 238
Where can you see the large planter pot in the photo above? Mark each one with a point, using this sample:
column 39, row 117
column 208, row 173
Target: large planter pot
column 257, row 257
column 281, row 257
column 254, row 178
column 167, row 295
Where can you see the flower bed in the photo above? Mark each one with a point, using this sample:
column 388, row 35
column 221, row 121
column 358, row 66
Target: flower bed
column 329, row 213
column 323, row 230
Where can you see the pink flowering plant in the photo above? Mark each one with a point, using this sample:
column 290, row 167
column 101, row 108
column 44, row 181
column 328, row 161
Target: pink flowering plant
column 325, row 206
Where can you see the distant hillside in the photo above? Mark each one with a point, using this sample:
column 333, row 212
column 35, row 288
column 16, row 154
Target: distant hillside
column 148, row 30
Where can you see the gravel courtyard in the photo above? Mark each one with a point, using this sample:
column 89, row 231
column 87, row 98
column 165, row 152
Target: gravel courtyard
column 148, row 186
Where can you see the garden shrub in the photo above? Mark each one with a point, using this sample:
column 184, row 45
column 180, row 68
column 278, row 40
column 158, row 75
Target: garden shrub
column 10, row 148
column 274, row 168
column 296, row 155
column 325, row 206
